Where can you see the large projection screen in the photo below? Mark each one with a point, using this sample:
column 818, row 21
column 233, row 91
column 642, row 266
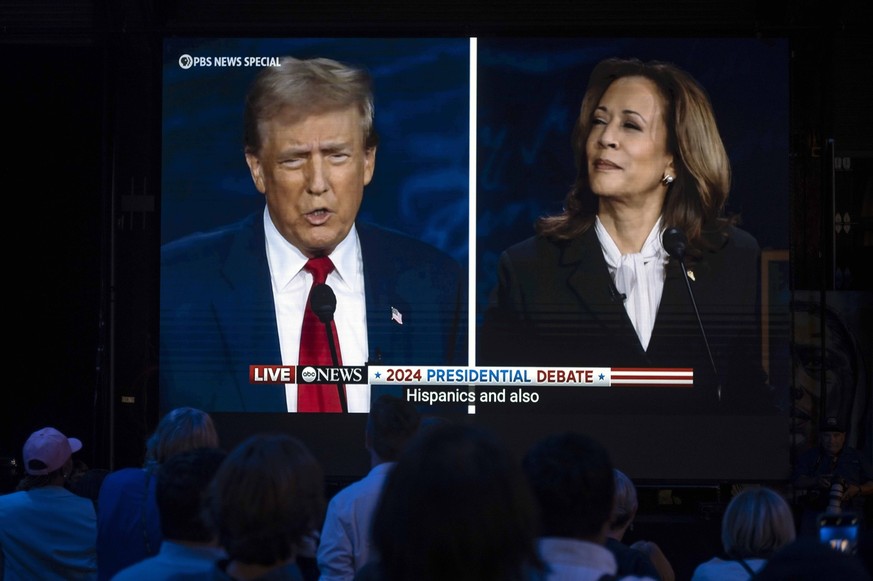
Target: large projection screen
column 474, row 147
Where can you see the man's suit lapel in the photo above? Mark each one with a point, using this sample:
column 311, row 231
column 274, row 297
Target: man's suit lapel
column 386, row 331
column 245, row 314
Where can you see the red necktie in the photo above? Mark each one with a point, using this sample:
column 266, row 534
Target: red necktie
column 315, row 349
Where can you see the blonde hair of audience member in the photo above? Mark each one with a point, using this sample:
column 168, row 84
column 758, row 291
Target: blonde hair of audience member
column 625, row 506
column 756, row 523
column 180, row 430
column 624, row 511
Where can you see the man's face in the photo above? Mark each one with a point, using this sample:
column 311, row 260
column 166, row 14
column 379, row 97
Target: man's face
column 832, row 442
column 312, row 170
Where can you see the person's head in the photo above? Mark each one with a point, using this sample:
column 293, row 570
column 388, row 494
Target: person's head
column 311, row 148
column 391, row 423
column 180, row 490
column 48, row 458
column 832, row 436
column 756, row 523
column 180, row 430
column 455, row 507
column 265, row 498
column 646, row 130
column 572, row 478
column 625, row 505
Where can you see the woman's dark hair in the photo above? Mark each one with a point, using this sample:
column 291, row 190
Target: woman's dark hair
column 266, row 496
column 456, row 506
column 695, row 200
column 572, row 477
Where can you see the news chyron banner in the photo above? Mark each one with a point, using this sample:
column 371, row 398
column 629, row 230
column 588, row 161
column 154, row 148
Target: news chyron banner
column 435, row 376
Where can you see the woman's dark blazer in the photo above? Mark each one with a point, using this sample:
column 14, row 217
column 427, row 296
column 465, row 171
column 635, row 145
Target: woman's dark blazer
column 556, row 305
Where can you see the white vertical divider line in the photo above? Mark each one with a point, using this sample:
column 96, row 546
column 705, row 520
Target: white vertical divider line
column 471, row 228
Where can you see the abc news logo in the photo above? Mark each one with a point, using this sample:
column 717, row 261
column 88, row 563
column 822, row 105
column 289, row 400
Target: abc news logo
column 273, row 374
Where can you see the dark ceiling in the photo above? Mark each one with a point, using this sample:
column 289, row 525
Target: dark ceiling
column 27, row 21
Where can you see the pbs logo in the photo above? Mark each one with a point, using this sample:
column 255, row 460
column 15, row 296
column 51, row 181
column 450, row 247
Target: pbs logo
column 308, row 374
column 186, row 61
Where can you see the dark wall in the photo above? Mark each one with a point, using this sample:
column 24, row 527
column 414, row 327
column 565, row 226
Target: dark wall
column 82, row 114
column 56, row 220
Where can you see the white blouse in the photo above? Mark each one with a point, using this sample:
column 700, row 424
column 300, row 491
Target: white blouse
column 639, row 276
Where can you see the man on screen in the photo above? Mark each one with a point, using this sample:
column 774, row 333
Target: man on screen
column 237, row 296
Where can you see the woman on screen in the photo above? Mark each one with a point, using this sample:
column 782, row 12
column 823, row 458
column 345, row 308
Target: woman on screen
column 596, row 285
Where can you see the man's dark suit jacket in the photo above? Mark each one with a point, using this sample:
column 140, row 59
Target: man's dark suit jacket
column 218, row 315
column 556, row 305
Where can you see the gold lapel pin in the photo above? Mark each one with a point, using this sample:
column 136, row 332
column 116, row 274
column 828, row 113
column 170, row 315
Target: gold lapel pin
column 690, row 274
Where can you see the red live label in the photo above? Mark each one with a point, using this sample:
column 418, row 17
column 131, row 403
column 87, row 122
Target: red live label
column 271, row 374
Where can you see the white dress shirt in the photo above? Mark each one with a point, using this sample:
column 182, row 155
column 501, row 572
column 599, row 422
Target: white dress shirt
column 577, row 560
column 346, row 541
column 291, row 283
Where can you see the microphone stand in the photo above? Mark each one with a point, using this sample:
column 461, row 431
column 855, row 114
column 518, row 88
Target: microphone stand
column 335, row 358
column 322, row 301
column 674, row 243
column 702, row 331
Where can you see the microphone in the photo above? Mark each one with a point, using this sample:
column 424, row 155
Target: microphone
column 614, row 295
column 322, row 301
column 676, row 243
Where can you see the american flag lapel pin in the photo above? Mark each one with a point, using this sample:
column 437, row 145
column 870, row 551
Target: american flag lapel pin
column 396, row 316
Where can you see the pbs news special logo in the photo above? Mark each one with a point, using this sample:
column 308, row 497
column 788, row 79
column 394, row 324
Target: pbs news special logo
column 186, row 61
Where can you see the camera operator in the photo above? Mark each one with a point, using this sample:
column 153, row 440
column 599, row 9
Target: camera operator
column 835, row 477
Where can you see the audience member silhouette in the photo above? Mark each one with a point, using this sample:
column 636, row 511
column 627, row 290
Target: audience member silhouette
column 86, row 481
column 10, row 474
column 831, row 474
column 265, row 499
column 345, row 538
column 456, row 507
column 756, row 523
column 189, row 548
column 806, row 559
column 46, row 531
column 573, row 480
column 128, row 523
column 643, row 558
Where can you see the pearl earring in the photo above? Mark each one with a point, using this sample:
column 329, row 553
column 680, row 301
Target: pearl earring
column 667, row 180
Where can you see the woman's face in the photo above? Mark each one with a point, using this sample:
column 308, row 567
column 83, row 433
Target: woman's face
column 627, row 146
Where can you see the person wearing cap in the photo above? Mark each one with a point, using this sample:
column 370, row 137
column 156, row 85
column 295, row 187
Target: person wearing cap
column 835, row 477
column 46, row 531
